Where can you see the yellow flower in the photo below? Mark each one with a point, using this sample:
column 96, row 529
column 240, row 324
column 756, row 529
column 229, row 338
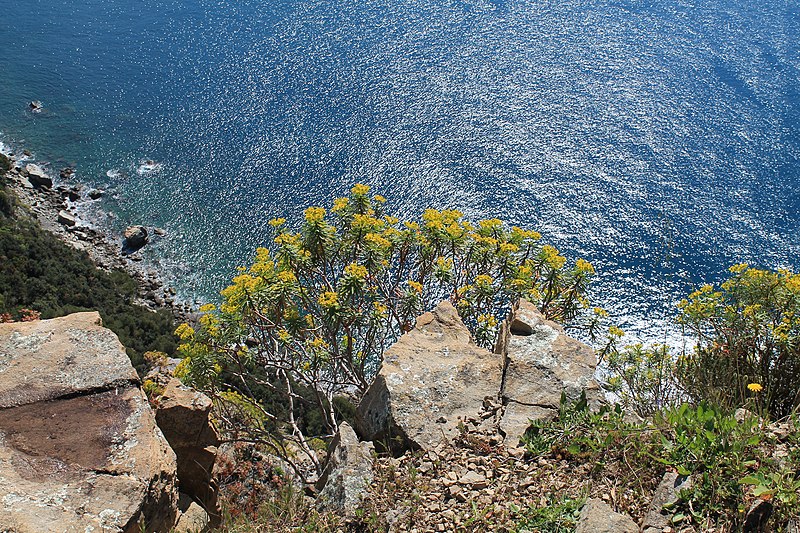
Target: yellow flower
column 614, row 331
column 583, row 266
column 355, row 270
column 184, row 332
column 275, row 222
column 328, row 299
column 359, row 189
column 380, row 199
column 483, row 280
column 415, row 285
column 755, row 387
column 377, row 240
column 314, row 214
column 207, row 308
column 339, row 204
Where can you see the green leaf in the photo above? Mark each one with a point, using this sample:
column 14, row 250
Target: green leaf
column 761, row 490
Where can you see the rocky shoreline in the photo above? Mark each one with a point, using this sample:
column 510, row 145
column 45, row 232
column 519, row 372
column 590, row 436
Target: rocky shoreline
column 54, row 204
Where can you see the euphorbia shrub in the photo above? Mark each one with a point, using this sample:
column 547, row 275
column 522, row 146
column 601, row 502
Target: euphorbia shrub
column 317, row 309
column 747, row 332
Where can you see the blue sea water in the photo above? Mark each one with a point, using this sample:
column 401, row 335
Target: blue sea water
column 659, row 140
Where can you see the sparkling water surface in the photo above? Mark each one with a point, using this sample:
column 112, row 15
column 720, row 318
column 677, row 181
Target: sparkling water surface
column 659, row 140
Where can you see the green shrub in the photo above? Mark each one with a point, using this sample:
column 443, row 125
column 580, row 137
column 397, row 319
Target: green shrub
column 729, row 459
column 39, row 272
column 747, row 336
column 318, row 309
column 643, row 377
column 5, row 164
column 559, row 515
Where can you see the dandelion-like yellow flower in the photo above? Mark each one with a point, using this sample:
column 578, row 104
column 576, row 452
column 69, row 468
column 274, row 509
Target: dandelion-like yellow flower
column 755, row 387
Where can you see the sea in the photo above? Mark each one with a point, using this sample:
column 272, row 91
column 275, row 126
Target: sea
column 659, row 140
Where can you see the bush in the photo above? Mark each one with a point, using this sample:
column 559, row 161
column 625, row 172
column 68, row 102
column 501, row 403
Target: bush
column 317, row 311
column 747, row 336
column 40, row 273
column 643, row 377
column 729, row 460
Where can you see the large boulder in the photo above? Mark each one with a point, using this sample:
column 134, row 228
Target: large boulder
column 37, row 176
column 79, row 445
column 183, row 416
column 134, row 238
column 348, row 474
column 541, row 362
column 430, row 379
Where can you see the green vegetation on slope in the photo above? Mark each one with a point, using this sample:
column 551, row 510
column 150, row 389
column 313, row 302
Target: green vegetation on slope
column 39, row 272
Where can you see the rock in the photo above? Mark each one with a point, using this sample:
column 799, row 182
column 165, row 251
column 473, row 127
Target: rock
column 183, row 416
column 73, row 194
column 135, row 238
column 666, row 493
column 94, row 194
column 67, row 219
column 37, row 176
column 348, row 474
column 66, row 173
column 191, row 518
column 598, row 517
column 433, row 372
column 79, row 446
column 36, row 106
column 758, row 516
column 541, row 362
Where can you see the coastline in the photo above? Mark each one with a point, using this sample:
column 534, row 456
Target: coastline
column 54, row 203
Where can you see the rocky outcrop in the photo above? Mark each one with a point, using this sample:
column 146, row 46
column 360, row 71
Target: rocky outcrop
column 79, row 446
column 191, row 517
column 183, row 416
column 598, row 517
column 348, row 474
column 135, row 238
column 430, row 379
column 37, row 177
column 541, row 362
column 658, row 518
column 66, row 218
column 435, row 377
